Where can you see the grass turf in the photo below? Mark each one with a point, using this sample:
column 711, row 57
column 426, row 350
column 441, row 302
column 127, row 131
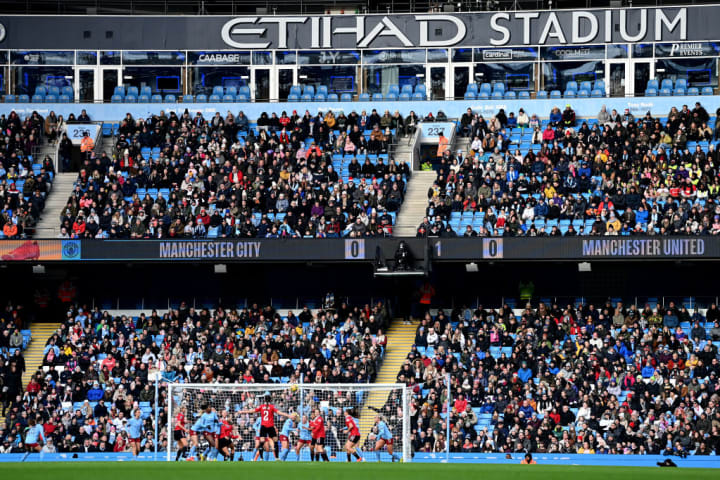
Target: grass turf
column 335, row 471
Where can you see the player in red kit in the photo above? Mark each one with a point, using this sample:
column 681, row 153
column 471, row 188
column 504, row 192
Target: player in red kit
column 267, row 412
column 317, row 444
column 225, row 442
column 353, row 433
column 179, row 433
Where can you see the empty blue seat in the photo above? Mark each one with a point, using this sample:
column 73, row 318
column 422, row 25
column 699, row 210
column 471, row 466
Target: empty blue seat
column 597, row 93
column 391, row 97
column 170, row 98
column 215, row 98
column 306, row 97
column 679, row 91
column 570, row 94
column 379, row 96
column 407, row 89
column 472, row 87
column 53, row 90
column 295, row 90
column 497, row 95
column 571, row 86
column 498, row 87
column 586, row 86
column 241, row 97
column 293, row 97
column 146, row 91
column 322, row 90
column 583, row 93
column 470, row 95
column 693, row 91
column 346, row 97
column 218, row 90
column 231, row 91
column 157, row 98
column 202, row 98
column 364, row 97
column 510, row 95
column 38, row 98
column 244, row 90
column 418, row 96
column 541, row 94
column 227, row 98
column 119, row 90
column 555, row 94
column 524, row 94
column 651, row 92
column 394, row 89
column 681, row 83
column 116, row 99
column 26, row 98
column 320, row 97
column 65, row 98
column 332, row 97
column 308, row 90
column 141, row 99
column 132, row 91
column 41, row 90
column 131, row 99
column 653, row 83
column 665, row 92
column 667, row 83
column 486, row 87
column 420, row 88
column 706, row 91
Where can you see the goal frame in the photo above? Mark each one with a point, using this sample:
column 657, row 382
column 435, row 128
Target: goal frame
column 355, row 387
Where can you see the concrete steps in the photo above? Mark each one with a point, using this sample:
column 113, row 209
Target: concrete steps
column 49, row 224
column 400, row 338
column 415, row 204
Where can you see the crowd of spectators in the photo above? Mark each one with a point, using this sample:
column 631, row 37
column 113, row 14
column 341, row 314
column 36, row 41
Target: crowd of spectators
column 563, row 176
column 181, row 175
column 98, row 368
column 606, row 378
column 24, row 182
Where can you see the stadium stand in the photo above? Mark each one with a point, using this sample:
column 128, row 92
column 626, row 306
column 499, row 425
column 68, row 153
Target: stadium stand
column 612, row 175
column 599, row 378
column 24, row 182
column 280, row 176
column 99, row 366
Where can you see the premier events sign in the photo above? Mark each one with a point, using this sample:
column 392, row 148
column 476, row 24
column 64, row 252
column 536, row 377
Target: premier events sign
column 306, row 32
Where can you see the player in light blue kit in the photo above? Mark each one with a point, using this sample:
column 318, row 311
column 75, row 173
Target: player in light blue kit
column 289, row 426
column 384, row 438
column 209, row 425
column 259, row 442
column 34, row 436
column 304, row 437
column 135, row 429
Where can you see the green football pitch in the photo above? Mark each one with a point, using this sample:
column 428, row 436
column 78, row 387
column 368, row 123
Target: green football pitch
column 335, row 471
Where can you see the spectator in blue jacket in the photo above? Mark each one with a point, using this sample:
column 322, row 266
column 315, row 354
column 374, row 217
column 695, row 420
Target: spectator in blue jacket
column 525, row 374
column 95, row 393
column 670, row 320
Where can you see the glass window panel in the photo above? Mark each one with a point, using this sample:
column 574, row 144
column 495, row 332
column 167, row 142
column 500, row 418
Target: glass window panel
column 617, row 51
column 161, row 80
column 393, row 56
column 286, row 58
column 153, row 58
column 3, row 57
column 699, row 72
column 43, row 58
column 110, row 58
column 437, row 55
column 505, row 54
column 562, row 52
column 642, row 50
column 219, row 58
column 557, row 74
column 462, row 55
column 87, row 58
column 379, row 78
column 331, row 57
column 685, row 50
column 204, row 79
column 515, row 76
column 28, row 78
column 338, row 79
column 262, row 58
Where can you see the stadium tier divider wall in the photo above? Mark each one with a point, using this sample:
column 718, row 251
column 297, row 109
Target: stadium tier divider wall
column 390, row 400
column 584, row 107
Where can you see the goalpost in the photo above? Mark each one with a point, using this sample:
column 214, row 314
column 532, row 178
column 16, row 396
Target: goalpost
column 392, row 401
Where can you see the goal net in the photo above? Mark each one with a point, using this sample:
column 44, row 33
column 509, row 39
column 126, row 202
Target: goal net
column 364, row 401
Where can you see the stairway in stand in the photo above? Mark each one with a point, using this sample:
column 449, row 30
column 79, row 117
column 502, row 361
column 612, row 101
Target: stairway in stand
column 34, row 352
column 400, row 339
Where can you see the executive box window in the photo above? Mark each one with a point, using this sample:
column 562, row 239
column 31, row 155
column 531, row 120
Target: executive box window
column 515, row 75
column 286, row 58
column 393, row 56
column 379, row 78
column 3, row 57
column 437, row 55
column 130, row 57
column 161, row 80
column 699, row 72
column 110, row 58
column 329, row 57
column 87, row 58
column 556, row 75
column 43, row 58
column 462, row 55
column 205, row 79
column 28, row 78
column 338, row 79
column 262, row 58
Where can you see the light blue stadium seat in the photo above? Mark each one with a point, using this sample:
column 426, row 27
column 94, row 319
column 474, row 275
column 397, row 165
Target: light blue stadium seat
column 157, row 98
column 322, row 90
column 379, row 96
column 201, row 98
column 132, row 91
column 665, row 92
column 706, row 91
column 524, row 95
column 597, row 93
column 651, row 92
column 231, row 91
column 26, row 98
column 214, row 98
column 306, row 97
column 293, row 97
column 653, row 83
column 228, row 98
column 498, row 87
column 38, row 98
column 497, row 95
column 679, row 91
column 570, row 94
column 346, row 97
column 470, row 95
column 667, row 83
column 64, row 98
column 541, row 94
column 693, row 91
column 131, row 99
column 332, row 97
column 555, row 94
column 472, row 87
column 407, row 89
column 116, row 99
column 218, row 90
column 391, row 97
column 418, row 96
column 583, row 93
column 510, row 95
column 308, row 90
column 170, row 98
column 364, row 97
column 295, row 90
column 571, row 86
column 394, row 89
